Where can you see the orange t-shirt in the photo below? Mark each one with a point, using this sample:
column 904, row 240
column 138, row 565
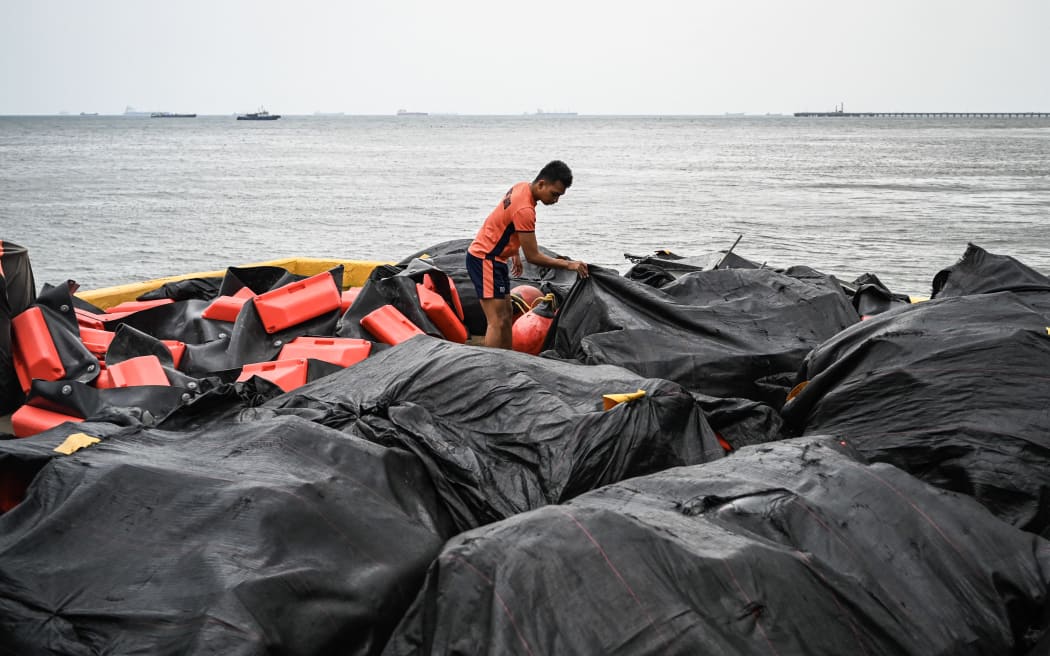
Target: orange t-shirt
column 498, row 239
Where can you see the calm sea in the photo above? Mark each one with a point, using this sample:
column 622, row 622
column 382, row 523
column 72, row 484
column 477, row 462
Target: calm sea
column 108, row 200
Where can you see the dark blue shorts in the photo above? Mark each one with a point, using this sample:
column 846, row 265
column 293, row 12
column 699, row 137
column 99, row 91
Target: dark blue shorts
column 491, row 278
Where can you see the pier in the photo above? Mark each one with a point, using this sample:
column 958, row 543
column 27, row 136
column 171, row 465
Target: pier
column 838, row 114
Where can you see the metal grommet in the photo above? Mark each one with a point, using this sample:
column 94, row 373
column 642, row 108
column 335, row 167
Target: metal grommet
column 187, row 396
column 64, row 308
column 222, row 335
column 277, row 343
column 192, row 385
column 91, row 367
column 67, row 390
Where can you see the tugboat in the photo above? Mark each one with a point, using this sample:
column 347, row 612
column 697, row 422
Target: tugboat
column 261, row 115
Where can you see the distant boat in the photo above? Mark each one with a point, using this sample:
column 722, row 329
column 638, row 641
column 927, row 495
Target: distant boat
column 170, row 115
column 735, row 114
column 131, row 111
column 405, row 112
column 89, row 113
column 540, row 112
column 261, row 115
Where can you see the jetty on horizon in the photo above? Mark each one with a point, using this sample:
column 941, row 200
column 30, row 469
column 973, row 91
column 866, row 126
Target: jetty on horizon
column 839, row 112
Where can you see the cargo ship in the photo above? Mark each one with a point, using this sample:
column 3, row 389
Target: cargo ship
column 261, row 115
column 171, row 115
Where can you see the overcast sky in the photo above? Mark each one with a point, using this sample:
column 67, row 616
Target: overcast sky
column 493, row 57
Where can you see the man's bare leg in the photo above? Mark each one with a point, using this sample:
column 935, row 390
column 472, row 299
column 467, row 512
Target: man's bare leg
column 498, row 314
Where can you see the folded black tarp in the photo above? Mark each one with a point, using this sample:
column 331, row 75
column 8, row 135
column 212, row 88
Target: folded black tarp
column 728, row 333
column 664, row 268
column 17, row 292
column 981, row 272
column 17, row 274
column 271, row 537
column 503, row 432
column 871, row 296
column 791, row 548
column 953, row 390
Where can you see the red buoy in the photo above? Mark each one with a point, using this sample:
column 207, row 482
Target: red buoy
column 529, row 332
column 527, row 293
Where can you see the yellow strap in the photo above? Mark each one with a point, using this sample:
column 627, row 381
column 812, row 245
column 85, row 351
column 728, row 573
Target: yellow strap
column 76, row 442
column 1048, row 330
column 612, row 400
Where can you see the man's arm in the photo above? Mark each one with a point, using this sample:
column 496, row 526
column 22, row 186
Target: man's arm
column 534, row 256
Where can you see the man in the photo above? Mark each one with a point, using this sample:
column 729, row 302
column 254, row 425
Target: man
column 512, row 225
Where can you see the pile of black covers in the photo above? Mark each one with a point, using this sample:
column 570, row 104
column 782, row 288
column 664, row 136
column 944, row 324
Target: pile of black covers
column 503, row 432
column 277, row 536
column 795, row 548
column 953, row 390
column 726, row 333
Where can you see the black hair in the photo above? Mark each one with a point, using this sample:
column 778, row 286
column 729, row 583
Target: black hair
column 556, row 171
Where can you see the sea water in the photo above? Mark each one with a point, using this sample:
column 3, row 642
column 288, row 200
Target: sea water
column 109, row 200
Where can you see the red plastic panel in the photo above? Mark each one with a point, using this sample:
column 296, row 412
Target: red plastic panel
column 34, row 352
column 343, row 351
column 444, row 317
column 226, row 308
column 389, row 326
column 96, row 341
column 29, row 420
column 286, row 374
column 177, row 348
column 88, row 319
column 143, row 370
column 428, row 282
column 298, row 302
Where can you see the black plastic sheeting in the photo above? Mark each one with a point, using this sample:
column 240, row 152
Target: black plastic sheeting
column 981, row 272
column 871, row 296
column 277, row 536
column 954, row 391
column 737, row 333
column 503, row 432
column 16, row 274
column 792, row 548
column 17, row 292
column 664, row 268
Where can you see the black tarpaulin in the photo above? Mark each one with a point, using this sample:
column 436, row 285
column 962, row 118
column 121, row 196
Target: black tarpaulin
column 952, row 390
column 503, row 432
column 16, row 272
column 272, row 537
column 871, row 296
column 728, row 333
column 791, row 548
column 981, row 272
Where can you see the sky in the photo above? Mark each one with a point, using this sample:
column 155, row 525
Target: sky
column 492, row 57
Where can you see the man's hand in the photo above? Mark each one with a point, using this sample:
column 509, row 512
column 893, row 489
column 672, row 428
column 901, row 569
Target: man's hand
column 579, row 267
column 516, row 268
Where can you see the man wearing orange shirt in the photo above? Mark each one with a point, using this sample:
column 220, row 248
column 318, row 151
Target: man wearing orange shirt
column 512, row 225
